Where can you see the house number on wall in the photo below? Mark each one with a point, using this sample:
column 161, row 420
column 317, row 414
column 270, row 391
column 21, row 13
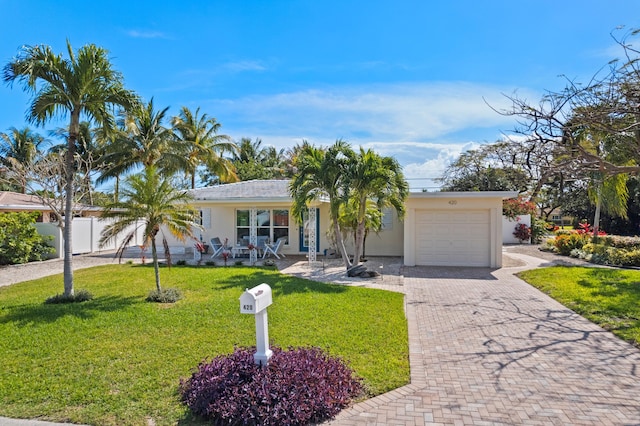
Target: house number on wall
column 453, row 202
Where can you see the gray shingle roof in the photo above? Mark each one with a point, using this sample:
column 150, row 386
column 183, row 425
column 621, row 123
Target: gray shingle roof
column 267, row 190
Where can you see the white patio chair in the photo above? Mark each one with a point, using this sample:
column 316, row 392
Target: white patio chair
column 275, row 248
column 217, row 247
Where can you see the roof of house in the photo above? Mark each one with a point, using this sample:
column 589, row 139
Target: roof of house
column 250, row 190
column 18, row 201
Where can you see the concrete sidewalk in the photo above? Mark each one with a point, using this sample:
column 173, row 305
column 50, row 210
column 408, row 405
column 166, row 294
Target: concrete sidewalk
column 487, row 348
column 4, row 421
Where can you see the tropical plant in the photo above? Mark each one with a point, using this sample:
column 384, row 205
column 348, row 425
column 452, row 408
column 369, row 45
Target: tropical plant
column 341, row 175
column 522, row 232
column 85, row 84
column 377, row 178
column 323, row 173
column 201, row 144
column 150, row 202
column 348, row 220
column 142, row 141
column 514, row 207
column 254, row 161
column 19, row 147
column 298, row 387
column 19, row 239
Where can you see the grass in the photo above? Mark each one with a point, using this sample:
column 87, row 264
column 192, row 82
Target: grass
column 118, row 360
column 607, row 297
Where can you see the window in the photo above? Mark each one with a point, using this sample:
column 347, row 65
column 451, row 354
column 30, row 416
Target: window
column 271, row 224
column 205, row 218
column 387, row 218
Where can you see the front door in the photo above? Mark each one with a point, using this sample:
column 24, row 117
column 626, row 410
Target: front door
column 304, row 231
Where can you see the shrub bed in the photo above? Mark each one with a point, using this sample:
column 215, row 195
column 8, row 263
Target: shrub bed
column 566, row 242
column 297, row 387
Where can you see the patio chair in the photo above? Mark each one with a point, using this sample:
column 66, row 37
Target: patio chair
column 217, row 247
column 274, row 248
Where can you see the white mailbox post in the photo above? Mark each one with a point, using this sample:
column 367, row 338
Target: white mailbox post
column 255, row 301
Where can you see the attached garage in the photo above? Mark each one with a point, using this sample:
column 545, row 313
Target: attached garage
column 454, row 229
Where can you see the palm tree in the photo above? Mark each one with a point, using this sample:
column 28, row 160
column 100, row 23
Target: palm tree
column 377, row 178
column 151, row 202
column 19, row 146
column 202, row 144
column 253, row 161
column 85, row 84
column 349, row 219
column 142, row 140
column 322, row 173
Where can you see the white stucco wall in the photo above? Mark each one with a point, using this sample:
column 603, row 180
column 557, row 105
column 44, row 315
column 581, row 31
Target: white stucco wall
column 509, row 226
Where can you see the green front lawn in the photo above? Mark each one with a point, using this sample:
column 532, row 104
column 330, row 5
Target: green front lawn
column 118, row 360
column 607, row 297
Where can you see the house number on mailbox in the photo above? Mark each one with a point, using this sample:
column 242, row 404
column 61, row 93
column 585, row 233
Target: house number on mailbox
column 247, row 307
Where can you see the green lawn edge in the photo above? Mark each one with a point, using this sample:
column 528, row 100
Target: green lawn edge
column 118, row 360
column 608, row 297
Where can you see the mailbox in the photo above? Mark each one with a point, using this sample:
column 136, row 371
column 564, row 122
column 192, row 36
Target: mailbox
column 255, row 299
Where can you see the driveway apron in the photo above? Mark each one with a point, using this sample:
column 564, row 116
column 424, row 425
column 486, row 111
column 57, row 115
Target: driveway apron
column 487, row 348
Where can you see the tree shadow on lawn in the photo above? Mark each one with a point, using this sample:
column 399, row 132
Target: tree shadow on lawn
column 49, row 313
column 280, row 283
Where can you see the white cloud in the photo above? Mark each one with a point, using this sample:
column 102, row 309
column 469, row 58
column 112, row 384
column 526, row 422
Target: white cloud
column 424, row 126
column 399, row 112
column 146, row 34
column 244, row 66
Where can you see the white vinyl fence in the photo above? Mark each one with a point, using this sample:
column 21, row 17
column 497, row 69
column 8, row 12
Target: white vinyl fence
column 86, row 236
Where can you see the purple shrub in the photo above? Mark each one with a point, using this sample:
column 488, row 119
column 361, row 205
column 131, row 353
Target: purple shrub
column 298, row 386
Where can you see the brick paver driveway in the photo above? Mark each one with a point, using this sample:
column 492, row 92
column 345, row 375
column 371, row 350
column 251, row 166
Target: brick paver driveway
column 487, row 348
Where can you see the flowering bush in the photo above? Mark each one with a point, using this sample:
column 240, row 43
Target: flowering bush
column 567, row 242
column 514, row 207
column 585, row 228
column 296, row 387
column 522, row 232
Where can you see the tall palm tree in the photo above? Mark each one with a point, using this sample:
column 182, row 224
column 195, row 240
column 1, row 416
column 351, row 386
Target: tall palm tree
column 202, row 144
column 19, row 146
column 85, row 84
column 323, row 173
column 150, row 197
column 142, row 141
column 377, row 178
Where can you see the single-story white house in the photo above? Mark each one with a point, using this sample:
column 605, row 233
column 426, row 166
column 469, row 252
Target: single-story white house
column 439, row 228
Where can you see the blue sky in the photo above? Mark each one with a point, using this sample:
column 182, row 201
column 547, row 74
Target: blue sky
column 409, row 79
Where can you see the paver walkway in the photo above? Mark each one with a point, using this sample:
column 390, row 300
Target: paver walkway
column 487, row 348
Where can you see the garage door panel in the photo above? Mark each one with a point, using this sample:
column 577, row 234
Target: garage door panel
column 460, row 238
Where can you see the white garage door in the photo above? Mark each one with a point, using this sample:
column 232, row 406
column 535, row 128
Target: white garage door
column 453, row 238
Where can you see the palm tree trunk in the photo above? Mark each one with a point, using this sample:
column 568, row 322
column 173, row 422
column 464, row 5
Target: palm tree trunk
column 596, row 219
column 68, row 206
column 340, row 243
column 359, row 240
column 156, row 267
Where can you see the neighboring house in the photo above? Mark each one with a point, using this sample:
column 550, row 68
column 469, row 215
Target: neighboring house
column 86, row 223
column 440, row 228
column 17, row 202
